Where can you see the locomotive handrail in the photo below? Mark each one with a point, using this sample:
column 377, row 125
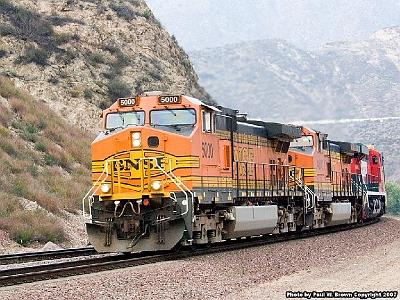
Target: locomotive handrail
column 360, row 185
column 96, row 184
column 308, row 192
column 275, row 175
column 177, row 182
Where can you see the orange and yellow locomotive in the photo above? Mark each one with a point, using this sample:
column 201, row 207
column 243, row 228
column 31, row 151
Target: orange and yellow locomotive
column 171, row 170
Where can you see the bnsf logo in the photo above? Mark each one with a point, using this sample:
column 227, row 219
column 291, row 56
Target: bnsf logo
column 169, row 100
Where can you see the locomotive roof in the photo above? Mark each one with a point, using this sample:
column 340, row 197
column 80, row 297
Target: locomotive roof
column 279, row 130
column 201, row 103
column 351, row 148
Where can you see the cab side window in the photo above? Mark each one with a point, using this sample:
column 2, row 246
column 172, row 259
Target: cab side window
column 208, row 121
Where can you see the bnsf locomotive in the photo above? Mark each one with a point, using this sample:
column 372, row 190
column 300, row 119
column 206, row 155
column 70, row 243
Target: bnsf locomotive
column 171, row 170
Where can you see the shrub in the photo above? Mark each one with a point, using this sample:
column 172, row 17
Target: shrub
column 60, row 39
column 34, row 55
column 96, row 58
column 124, row 12
column 156, row 75
column 29, row 137
column 53, row 80
column 104, row 104
column 8, row 145
column 20, row 188
column 48, row 160
column 31, row 128
column 88, row 93
column 147, row 15
column 23, row 236
column 6, row 30
column 134, row 2
column 74, row 93
column 40, row 146
column 4, row 132
column 7, row 207
column 33, row 170
column 5, row 116
column 117, row 89
column 17, row 105
column 26, row 227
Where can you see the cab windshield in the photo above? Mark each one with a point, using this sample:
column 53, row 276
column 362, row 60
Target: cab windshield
column 173, row 117
column 124, row 119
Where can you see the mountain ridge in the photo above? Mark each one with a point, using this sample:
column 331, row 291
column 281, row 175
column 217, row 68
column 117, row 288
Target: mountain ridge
column 352, row 80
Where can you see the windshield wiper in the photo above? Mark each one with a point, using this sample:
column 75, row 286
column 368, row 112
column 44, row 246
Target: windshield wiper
column 138, row 123
column 170, row 110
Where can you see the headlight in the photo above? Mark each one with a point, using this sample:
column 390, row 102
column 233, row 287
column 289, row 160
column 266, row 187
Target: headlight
column 156, row 185
column 105, row 188
column 136, row 139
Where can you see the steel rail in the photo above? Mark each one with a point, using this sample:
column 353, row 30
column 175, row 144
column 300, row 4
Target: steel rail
column 7, row 259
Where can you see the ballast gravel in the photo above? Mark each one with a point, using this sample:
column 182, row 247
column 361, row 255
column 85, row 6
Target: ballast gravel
column 225, row 275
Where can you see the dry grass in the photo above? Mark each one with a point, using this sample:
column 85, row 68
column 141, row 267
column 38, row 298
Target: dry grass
column 27, row 226
column 42, row 159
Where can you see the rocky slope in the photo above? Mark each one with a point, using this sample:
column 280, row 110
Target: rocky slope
column 79, row 55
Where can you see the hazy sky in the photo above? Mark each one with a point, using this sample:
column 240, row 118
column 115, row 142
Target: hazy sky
column 307, row 24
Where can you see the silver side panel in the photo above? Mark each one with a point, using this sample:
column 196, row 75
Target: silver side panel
column 252, row 220
column 341, row 213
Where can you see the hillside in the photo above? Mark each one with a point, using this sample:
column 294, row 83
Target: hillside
column 44, row 171
column 61, row 62
column 80, row 55
column 341, row 81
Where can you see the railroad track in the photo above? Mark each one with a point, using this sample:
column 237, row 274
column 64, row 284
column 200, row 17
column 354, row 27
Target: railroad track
column 7, row 259
column 48, row 271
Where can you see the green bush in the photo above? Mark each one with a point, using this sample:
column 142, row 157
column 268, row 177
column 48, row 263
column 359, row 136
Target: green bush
column 48, row 160
column 95, row 58
column 393, row 195
column 88, row 93
column 31, row 128
column 117, row 89
column 40, row 146
column 124, row 11
column 60, row 39
column 28, row 137
column 34, row 55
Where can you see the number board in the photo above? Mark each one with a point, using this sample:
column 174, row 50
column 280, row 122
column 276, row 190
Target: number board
column 132, row 101
column 170, row 99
